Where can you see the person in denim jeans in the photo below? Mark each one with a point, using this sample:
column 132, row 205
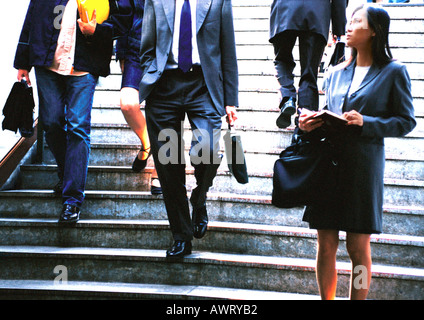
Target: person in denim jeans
column 69, row 56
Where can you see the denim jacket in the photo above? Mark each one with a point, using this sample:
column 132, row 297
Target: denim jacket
column 128, row 49
column 40, row 32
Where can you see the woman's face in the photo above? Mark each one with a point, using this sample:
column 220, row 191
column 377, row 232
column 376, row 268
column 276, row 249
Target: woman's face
column 359, row 34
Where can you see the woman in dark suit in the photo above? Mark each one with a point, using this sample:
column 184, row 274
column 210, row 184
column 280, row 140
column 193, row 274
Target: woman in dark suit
column 373, row 92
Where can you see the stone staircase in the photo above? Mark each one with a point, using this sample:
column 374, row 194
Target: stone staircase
column 252, row 249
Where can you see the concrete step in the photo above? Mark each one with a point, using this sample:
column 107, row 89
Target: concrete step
column 401, row 25
column 396, row 191
column 264, row 66
column 254, row 3
column 258, row 139
column 265, row 52
column 47, row 289
column 222, row 207
column 237, row 238
column 248, row 99
column 200, row 269
column 252, row 83
column 248, row 119
column 123, row 155
column 261, row 10
column 396, row 40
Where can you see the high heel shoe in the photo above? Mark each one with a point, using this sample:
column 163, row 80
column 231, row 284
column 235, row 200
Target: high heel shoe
column 139, row 165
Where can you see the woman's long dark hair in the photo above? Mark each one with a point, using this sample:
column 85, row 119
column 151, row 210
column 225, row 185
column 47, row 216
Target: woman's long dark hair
column 379, row 22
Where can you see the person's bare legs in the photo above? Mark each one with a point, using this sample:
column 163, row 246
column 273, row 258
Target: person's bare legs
column 359, row 249
column 328, row 242
column 130, row 108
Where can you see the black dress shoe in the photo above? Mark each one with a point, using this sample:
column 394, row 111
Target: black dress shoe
column 70, row 214
column 179, row 249
column 139, row 165
column 288, row 108
column 200, row 222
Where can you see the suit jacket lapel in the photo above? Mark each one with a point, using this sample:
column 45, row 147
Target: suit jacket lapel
column 348, row 76
column 169, row 7
column 202, row 10
column 350, row 70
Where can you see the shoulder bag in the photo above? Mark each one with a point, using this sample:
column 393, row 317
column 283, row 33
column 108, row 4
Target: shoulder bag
column 305, row 173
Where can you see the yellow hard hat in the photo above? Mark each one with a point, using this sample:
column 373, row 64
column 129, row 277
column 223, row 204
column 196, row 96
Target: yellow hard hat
column 87, row 7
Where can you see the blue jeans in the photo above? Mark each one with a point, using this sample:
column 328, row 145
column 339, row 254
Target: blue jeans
column 65, row 104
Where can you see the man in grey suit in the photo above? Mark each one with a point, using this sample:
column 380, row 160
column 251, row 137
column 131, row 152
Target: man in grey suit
column 308, row 20
column 189, row 62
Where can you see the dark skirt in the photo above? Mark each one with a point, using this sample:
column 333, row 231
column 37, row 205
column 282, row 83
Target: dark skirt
column 357, row 204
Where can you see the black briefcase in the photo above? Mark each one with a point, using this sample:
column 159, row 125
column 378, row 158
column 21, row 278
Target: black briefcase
column 235, row 156
column 19, row 110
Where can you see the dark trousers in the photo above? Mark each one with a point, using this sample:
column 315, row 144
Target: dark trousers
column 175, row 95
column 311, row 49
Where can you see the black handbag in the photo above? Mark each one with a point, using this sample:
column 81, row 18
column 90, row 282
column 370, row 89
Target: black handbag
column 19, row 110
column 235, row 156
column 333, row 55
column 305, row 174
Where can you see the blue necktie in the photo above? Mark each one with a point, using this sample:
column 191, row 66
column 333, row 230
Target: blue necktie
column 185, row 47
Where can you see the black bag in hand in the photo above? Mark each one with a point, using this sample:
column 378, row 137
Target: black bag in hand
column 338, row 55
column 19, row 110
column 235, row 156
column 305, row 174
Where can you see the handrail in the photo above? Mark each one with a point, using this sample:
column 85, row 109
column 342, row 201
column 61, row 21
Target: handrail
column 12, row 159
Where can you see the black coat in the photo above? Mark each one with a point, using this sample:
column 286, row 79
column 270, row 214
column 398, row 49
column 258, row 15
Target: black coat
column 308, row 15
column 18, row 110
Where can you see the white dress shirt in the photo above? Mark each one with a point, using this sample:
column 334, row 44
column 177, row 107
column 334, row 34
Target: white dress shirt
column 173, row 61
column 358, row 77
column 63, row 62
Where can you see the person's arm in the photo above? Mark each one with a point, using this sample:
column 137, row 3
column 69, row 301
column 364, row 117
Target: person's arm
column 148, row 39
column 402, row 120
column 229, row 62
column 119, row 22
column 21, row 61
